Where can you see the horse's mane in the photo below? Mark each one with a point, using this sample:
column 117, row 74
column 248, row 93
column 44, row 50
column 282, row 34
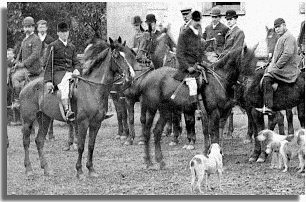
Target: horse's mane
column 225, row 59
column 94, row 55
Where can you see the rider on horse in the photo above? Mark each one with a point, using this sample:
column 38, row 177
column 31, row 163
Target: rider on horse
column 189, row 52
column 284, row 64
column 29, row 55
column 61, row 65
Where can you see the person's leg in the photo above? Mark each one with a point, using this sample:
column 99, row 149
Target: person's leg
column 268, row 95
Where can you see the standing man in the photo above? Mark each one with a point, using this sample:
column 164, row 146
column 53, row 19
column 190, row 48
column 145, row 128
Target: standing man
column 28, row 62
column 186, row 16
column 45, row 38
column 189, row 52
column 65, row 63
column 151, row 22
column 216, row 30
column 284, row 64
column 138, row 31
column 235, row 36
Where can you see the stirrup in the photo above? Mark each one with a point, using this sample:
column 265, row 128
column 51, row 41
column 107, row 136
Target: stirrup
column 70, row 116
column 265, row 110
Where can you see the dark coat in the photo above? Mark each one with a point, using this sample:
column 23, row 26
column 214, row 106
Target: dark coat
column 154, row 41
column 233, row 39
column 29, row 54
column 64, row 60
column 284, row 64
column 49, row 39
column 189, row 51
column 218, row 33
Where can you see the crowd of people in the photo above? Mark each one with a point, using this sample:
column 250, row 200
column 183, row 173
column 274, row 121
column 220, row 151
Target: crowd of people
column 39, row 51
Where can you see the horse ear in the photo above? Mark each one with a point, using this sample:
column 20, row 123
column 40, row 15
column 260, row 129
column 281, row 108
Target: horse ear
column 119, row 39
column 255, row 47
column 124, row 43
column 267, row 29
column 111, row 40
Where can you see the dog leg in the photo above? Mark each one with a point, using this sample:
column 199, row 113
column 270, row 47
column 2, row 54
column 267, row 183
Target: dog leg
column 208, row 183
column 285, row 163
column 302, row 163
column 220, row 177
column 280, row 160
column 200, row 179
column 192, row 179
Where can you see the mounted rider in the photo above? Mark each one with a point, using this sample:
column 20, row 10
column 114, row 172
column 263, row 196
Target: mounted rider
column 60, row 63
column 190, row 51
column 28, row 58
column 284, row 64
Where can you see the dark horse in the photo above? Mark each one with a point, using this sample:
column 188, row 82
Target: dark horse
column 89, row 102
column 159, row 85
column 285, row 97
column 161, row 57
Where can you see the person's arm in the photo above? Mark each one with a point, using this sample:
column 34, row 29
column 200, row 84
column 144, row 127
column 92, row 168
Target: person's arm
column 289, row 45
column 180, row 52
column 47, row 64
column 35, row 55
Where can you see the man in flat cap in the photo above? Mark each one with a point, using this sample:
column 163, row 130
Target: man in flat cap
column 216, row 30
column 187, row 17
column 45, row 38
column 235, row 36
column 28, row 63
column 190, row 50
column 65, row 63
column 283, row 66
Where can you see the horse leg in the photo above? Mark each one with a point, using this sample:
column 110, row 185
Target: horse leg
column 43, row 121
column 277, row 118
column 143, row 115
column 26, row 130
column 251, row 127
column 50, row 132
column 82, row 130
column 93, row 131
column 130, row 115
column 119, row 115
column 301, row 113
column 258, row 124
column 73, row 131
column 157, row 136
column 177, row 129
column 190, row 128
column 168, row 128
column 124, row 117
column 147, row 134
column 289, row 116
column 230, row 125
column 71, row 139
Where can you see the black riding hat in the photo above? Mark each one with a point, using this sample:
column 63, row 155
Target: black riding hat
column 231, row 14
column 196, row 16
column 150, row 18
column 62, row 27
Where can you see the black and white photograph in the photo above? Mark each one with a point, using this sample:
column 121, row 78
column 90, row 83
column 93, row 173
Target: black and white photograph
column 153, row 98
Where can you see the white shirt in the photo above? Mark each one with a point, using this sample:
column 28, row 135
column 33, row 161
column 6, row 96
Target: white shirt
column 27, row 36
column 231, row 28
column 214, row 26
column 42, row 37
column 64, row 42
column 195, row 31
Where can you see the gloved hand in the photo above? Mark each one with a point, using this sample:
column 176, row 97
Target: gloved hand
column 76, row 72
column 49, row 86
column 191, row 69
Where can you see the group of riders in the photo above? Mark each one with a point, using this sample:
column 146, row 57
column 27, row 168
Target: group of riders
column 57, row 59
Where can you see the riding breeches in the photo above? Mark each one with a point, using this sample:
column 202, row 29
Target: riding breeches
column 63, row 86
column 19, row 77
column 211, row 56
column 268, row 91
column 192, row 84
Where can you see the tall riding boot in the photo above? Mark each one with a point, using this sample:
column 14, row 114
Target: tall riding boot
column 68, row 113
column 268, row 96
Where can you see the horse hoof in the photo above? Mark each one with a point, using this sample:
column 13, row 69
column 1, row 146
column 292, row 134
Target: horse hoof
column 162, row 165
column 117, row 137
column 128, row 142
column 81, row 177
column 48, row 172
column 74, row 147
column 93, row 175
column 172, row 143
column 190, row 147
column 123, row 137
column 260, row 160
column 185, row 146
column 141, row 142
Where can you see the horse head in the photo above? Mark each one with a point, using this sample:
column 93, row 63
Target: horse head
column 271, row 40
column 129, row 57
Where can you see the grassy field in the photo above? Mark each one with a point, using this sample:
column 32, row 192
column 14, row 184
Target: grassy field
column 122, row 171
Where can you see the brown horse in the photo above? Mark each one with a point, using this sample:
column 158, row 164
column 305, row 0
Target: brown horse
column 158, row 86
column 89, row 102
